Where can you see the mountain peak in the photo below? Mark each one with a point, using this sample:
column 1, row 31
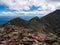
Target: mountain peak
column 17, row 22
column 35, row 19
column 17, row 18
column 54, row 14
column 57, row 10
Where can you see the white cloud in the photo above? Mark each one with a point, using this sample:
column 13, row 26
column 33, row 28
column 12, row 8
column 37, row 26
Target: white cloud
column 16, row 4
column 35, row 13
column 47, row 6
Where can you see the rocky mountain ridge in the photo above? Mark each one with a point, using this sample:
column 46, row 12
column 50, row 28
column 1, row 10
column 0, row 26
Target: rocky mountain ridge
column 44, row 31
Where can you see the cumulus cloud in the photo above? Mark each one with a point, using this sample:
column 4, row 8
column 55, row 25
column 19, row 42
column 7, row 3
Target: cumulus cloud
column 54, row 0
column 16, row 4
column 46, row 6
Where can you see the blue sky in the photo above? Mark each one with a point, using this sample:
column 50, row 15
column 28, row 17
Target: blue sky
column 6, row 8
column 28, row 7
column 32, row 8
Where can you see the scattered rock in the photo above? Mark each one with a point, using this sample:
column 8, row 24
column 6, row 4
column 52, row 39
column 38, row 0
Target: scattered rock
column 24, row 36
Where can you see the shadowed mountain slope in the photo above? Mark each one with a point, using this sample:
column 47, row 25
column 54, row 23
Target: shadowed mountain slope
column 52, row 22
column 17, row 22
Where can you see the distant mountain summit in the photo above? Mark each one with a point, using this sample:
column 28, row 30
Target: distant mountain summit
column 35, row 19
column 18, row 22
column 36, row 24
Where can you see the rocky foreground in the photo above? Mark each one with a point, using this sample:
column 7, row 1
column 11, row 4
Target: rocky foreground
column 12, row 35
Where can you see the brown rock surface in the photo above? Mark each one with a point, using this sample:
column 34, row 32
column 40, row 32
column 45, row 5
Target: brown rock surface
column 22, row 36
